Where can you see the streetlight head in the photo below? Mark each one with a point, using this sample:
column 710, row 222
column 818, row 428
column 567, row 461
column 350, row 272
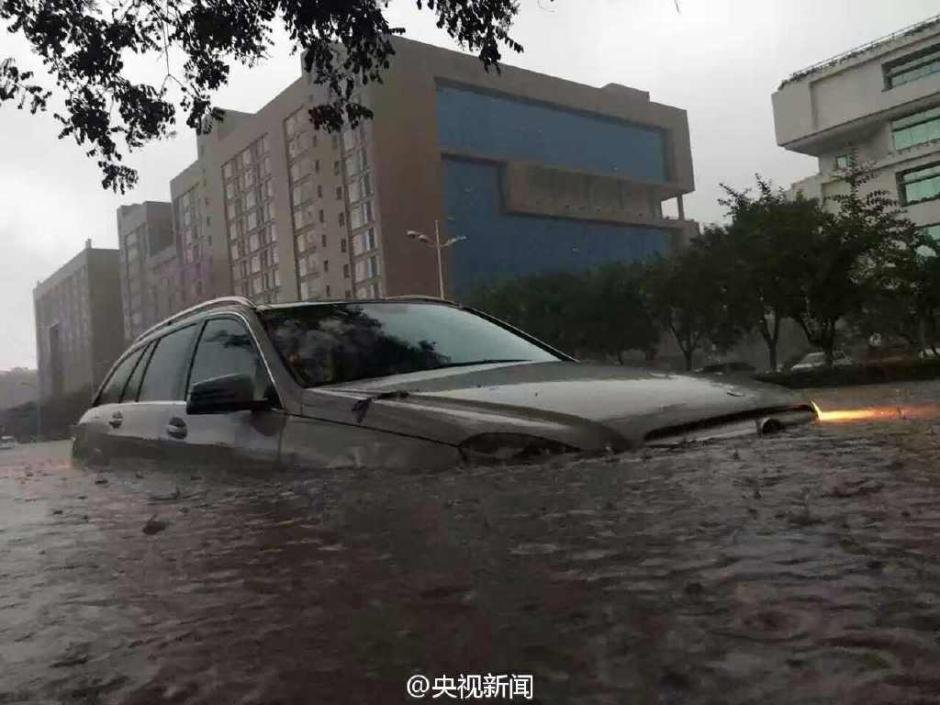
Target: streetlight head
column 415, row 235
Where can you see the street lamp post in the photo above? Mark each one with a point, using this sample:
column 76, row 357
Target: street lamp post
column 439, row 247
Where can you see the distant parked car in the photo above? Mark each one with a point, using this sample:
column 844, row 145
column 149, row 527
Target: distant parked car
column 929, row 354
column 7, row 442
column 817, row 360
column 734, row 367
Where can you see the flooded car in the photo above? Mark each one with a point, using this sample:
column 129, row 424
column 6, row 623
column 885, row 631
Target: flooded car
column 390, row 383
column 7, row 442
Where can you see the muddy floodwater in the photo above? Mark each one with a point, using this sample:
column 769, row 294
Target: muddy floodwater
column 799, row 568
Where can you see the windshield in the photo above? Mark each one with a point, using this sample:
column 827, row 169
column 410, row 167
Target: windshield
column 334, row 343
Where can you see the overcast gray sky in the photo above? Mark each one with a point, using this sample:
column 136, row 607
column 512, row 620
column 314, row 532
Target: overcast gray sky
column 718, row 59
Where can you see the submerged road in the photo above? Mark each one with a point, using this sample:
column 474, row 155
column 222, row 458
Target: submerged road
column 799, row 568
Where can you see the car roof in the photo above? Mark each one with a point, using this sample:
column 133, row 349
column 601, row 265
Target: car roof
column 235, row 303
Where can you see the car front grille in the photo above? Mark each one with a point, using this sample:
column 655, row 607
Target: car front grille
column 751, row 422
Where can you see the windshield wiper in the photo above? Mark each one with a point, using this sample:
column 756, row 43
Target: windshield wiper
column 477, row 362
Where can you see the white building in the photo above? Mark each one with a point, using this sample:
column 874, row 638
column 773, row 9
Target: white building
column 882, row 100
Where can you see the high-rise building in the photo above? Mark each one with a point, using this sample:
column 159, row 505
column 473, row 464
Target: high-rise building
column 79, row 323
column 880, row 100
column 534, row 173
column 150, row 276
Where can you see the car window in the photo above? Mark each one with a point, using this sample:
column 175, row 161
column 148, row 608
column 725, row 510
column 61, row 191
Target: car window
column 133, row 384
column 226, row 348
column 111, row 393
column 163, row 380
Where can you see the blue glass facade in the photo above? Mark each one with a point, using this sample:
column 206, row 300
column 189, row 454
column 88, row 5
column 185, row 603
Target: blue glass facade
column 501, row 244
column 518, row 130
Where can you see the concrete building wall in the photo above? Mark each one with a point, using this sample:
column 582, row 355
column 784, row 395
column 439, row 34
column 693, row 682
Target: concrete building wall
column 852, row 103
column 277, row 211
column 107, row 329
column 79, row 323
column 150, row 272
column 565, row 166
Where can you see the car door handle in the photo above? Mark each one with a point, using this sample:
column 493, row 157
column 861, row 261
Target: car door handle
column 117, row 418
column 176, row 428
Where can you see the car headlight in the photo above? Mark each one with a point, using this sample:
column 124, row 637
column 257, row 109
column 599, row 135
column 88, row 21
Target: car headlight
column 510, row 448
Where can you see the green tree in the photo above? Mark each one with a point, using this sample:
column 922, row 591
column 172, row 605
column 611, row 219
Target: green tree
column 603, row 312
column 690, row 296
column 84, row 45
column 546, row 306
column 764, row 251
column 614, row 312
column 864, row 247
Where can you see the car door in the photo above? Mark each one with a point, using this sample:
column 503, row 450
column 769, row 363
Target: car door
column 132, row 432
column 161, row 388
column 238, row 439
column 97, row 437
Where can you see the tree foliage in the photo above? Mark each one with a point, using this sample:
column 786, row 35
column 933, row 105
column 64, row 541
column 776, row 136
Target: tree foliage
column 864, row 249
column 692, row 296
column 84, row 46
column 603, row 312
column 765, row 253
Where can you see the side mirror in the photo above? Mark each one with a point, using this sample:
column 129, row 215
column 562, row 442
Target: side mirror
column 222, row 395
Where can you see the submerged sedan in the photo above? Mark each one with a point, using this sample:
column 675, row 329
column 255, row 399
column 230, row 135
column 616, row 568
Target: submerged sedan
column 409, row 383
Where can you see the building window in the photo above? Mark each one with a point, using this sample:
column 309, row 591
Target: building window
column 328, row 290
column 933, row 232
column 916, row 129
column 346, row 271
column 326, row 265
column 323, row 239
column 842, row 161
column 919, row 185
column 342, row 245
column 322, row 216
column 339, row 193
column 319, row 191
column 912, row 67
column 342, row 219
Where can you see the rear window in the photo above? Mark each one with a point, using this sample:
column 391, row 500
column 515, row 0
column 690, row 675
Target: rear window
column 133, row 384
column 163, row 380
column 111, row 393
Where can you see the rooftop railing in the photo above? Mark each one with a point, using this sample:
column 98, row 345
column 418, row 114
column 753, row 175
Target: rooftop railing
column 844, row 56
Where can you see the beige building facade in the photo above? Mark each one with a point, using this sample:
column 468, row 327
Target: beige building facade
column 558, row 176
column 79, row 323
column 882, row 101
column 150, row 276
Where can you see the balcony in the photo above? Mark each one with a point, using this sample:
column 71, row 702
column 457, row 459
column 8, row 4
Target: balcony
column 846, row 99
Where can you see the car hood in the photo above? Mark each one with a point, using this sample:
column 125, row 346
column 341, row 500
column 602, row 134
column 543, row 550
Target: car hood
column 614, row 405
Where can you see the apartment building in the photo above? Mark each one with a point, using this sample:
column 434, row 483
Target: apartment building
column 79, row 323
column 150, row 274
column 880, row 100
column 534, row 173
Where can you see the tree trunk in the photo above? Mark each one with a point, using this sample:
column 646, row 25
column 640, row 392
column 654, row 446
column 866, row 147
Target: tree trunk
column 770, row 340
column 829, row 343
column 688, row 358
